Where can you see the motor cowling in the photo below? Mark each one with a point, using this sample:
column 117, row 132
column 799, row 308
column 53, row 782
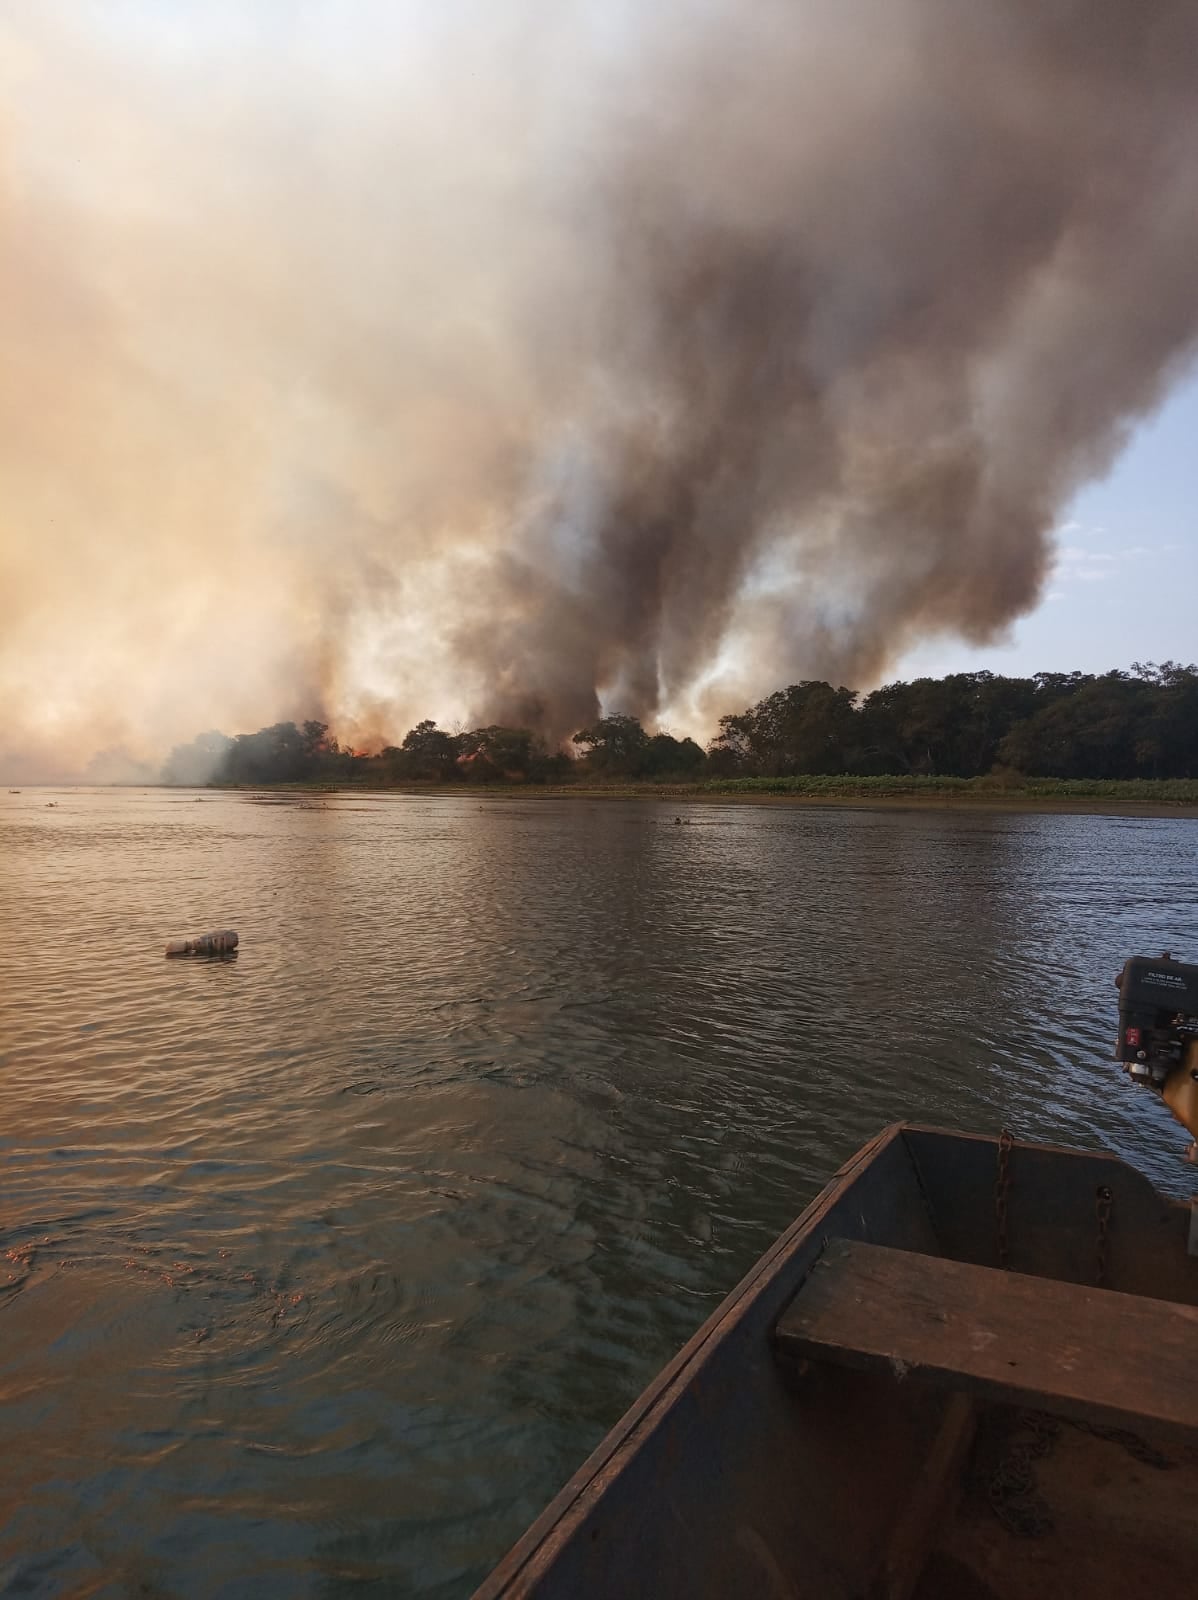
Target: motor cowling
column 1158, row 1015
column 1158, row 1031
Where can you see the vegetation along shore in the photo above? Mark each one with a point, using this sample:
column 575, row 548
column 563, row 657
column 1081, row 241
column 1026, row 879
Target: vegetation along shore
column 1055, row 740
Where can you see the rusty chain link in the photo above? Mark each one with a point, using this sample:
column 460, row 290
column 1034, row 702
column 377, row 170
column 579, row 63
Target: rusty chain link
column 1103, row 1206
column 1002, row 1187
column 1014, row 1496
column 1103, row 1202
column 1013, row 1491
column 1139, row 1449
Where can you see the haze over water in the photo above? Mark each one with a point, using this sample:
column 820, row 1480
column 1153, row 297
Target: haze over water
column 327, row 1265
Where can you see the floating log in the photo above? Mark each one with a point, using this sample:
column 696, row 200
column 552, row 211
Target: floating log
column 205, row 944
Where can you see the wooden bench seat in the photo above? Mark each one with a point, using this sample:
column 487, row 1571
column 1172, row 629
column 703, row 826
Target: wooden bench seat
column 1089, row 1354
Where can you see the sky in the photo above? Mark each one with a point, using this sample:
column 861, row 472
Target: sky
column 1124, row 582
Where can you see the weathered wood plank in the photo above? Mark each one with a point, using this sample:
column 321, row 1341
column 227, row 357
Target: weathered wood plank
column 1090, row 1354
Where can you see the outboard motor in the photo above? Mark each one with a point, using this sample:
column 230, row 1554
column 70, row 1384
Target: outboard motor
column 1158, row 1031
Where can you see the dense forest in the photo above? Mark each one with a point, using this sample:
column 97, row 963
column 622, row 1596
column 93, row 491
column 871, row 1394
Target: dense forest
column 1137, row 724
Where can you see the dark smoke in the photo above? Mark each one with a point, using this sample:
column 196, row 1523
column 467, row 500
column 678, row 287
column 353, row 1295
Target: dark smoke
column 492, row 360
column 880, row 285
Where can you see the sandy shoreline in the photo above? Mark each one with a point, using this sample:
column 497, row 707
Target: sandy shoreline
column 996, row 801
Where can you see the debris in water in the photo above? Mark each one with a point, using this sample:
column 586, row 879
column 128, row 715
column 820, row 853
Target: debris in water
column 206, row 944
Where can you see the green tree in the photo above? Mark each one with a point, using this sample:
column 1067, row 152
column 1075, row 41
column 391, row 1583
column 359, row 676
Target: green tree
column 809, row 727
column 431, row 753
column 1166, row 743
column 732, row 751
column 667, row 757
column 614, row 746
column 277, row 754
column 950, row 726
column 494, row 753
column 1090, row 732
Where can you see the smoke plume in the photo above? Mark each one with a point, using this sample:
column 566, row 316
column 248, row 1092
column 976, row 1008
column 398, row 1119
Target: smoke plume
column 495, row 360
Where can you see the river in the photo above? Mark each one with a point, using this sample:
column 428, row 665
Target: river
column 325, row 1266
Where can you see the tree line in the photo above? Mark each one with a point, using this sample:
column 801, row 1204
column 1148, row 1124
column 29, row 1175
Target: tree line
column 1142, row 723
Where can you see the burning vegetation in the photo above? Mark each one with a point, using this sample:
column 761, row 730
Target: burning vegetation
column 1138, row 724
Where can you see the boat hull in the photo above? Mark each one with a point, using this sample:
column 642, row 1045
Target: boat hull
column 741, row 1471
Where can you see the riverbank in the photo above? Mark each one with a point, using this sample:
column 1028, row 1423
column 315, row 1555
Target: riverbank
column 1132, row 797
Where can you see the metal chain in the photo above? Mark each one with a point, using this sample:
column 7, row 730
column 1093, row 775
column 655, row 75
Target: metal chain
column 1139, row 1449
column 1013, row 1492
column 1014, row 1498
column 1002, row 1187
column 1103, row 1203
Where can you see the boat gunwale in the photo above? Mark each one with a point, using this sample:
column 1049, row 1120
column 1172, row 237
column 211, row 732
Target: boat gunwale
column 553, row 1528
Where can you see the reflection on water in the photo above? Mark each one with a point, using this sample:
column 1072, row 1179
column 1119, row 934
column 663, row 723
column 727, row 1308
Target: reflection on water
column 326, row 1266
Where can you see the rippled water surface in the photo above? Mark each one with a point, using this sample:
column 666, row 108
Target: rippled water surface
column 326, row 1266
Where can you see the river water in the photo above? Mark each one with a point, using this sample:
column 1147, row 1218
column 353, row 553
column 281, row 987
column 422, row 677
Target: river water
column 325, row 1266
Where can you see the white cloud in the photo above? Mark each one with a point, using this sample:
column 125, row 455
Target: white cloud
column 1076, row 563
column 1075, row 555
column 1078, row 530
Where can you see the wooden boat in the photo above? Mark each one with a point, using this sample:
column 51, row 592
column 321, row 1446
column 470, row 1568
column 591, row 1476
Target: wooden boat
column 970, row 1368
